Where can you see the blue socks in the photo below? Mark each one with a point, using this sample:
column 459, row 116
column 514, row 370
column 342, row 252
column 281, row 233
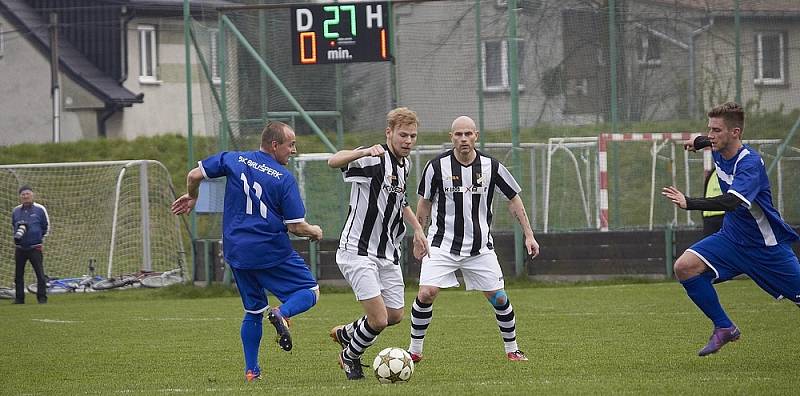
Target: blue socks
column 299, row 302
column 252, row 329
column 251, row 339
column 702, row 293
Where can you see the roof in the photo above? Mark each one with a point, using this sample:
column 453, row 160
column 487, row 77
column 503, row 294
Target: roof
column 194, row 5
column 72, row 62
column 746, row 7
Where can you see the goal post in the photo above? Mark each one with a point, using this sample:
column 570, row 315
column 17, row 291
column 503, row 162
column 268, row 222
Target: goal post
column 646, row 169
column 115, row 214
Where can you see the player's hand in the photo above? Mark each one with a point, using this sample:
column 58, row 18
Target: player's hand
column 314, row 232
column 421, row 248
column 688, row 145
column 532, row 246
column 675, row 196
column 184, row 204
column 374, row 151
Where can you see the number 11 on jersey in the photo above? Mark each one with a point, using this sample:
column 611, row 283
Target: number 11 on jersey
column 258, row 190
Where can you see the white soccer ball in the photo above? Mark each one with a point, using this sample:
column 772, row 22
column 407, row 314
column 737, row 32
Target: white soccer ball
column 393, row 365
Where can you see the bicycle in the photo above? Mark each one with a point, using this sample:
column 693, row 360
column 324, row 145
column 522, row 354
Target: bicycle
column 150, row 279
column 68, row 285
column 7, row 293
column 164, row 279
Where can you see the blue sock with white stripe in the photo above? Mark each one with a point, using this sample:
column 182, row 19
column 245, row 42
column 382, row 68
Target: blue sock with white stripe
column 251, row 339
column 703, row 294
column 299, row 302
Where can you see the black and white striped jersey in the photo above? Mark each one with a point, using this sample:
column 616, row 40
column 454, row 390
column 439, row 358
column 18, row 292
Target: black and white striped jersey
column 374, row 225
column 461, row 197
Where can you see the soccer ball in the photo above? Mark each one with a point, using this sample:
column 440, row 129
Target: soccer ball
column 393, row 365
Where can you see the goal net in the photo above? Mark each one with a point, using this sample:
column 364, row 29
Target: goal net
column 115, row 214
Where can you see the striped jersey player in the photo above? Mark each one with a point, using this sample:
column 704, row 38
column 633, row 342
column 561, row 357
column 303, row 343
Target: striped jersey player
column 456, row 196
column 369, row 247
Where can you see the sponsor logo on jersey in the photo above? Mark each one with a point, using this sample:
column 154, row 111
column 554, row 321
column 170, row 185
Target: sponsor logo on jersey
column 260, row 167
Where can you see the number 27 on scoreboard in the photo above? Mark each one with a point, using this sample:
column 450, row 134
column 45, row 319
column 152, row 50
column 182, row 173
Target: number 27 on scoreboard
column 340, row 33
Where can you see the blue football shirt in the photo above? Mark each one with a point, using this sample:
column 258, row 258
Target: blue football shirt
column 261, row 197
column 755, row 222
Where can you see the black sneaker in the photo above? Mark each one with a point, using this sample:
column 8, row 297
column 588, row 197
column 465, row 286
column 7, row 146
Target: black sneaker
column 283, row 338
column 351, row 367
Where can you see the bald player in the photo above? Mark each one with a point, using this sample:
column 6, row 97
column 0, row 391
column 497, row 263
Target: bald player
column 455, row 199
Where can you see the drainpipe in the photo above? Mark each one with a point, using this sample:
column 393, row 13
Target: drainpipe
column 124, row 27
column 692, row 99
column 104, row 115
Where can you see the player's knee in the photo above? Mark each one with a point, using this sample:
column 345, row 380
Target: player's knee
column 497, row 298
column 426, row 294
column 686, row 267
column 394, row 317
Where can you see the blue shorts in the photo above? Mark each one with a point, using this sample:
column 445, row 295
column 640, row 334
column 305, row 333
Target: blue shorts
column 774, row 268
column 282, row 281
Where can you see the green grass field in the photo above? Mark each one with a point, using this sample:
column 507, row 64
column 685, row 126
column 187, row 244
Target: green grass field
column 604, row 339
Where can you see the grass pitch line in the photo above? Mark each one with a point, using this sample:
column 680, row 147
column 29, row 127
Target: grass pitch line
column 56, row 321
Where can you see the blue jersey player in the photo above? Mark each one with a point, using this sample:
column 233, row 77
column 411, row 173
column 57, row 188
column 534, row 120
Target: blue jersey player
column 262, row 203
column 754, row 240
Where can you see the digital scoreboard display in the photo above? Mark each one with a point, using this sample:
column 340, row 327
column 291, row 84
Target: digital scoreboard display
column 340, row 33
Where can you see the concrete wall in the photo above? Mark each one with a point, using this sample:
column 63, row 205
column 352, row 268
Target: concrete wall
column 718, row 69
column 24, row 91
column 164, row 108
column 437, row 64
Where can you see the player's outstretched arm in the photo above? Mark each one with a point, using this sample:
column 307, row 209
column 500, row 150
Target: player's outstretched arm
column 517, row 209
column 726, row 202
column 420, row 242
column 185, row 203
column 303, row 229
column 344, row 157
column 675, row 196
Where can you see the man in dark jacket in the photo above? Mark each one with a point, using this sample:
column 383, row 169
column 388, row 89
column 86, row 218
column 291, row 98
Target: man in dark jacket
column 30, row 224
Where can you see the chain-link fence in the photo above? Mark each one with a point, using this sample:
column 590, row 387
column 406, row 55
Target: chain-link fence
column 581, row 68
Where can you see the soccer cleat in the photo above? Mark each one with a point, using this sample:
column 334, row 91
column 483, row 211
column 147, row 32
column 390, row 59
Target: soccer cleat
column 351, row 367
column 517, row 356
column 336, row 335
column 283, row 337
column 415, row 357
column 252, row 375
column 720, row 337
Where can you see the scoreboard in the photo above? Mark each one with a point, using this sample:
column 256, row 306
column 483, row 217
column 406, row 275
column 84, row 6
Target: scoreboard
column 340, row 33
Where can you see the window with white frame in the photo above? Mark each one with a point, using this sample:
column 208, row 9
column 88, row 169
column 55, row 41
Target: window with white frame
column 770, row 61
column 649, row 50
column 148, row 54
column 213, row 59
column 496, row 71
column 2, row 42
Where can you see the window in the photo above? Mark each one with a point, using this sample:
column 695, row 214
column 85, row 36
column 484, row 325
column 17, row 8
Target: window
column 496, row 73
column 2, row 42
column 148, row 51
column 770, row 50
column 213, row 59
column 649, row 50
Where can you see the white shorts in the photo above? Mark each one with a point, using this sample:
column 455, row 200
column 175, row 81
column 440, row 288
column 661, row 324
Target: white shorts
column 481, row 272
column 371, row 277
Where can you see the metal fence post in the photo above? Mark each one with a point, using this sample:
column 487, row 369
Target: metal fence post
column 669, row 247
